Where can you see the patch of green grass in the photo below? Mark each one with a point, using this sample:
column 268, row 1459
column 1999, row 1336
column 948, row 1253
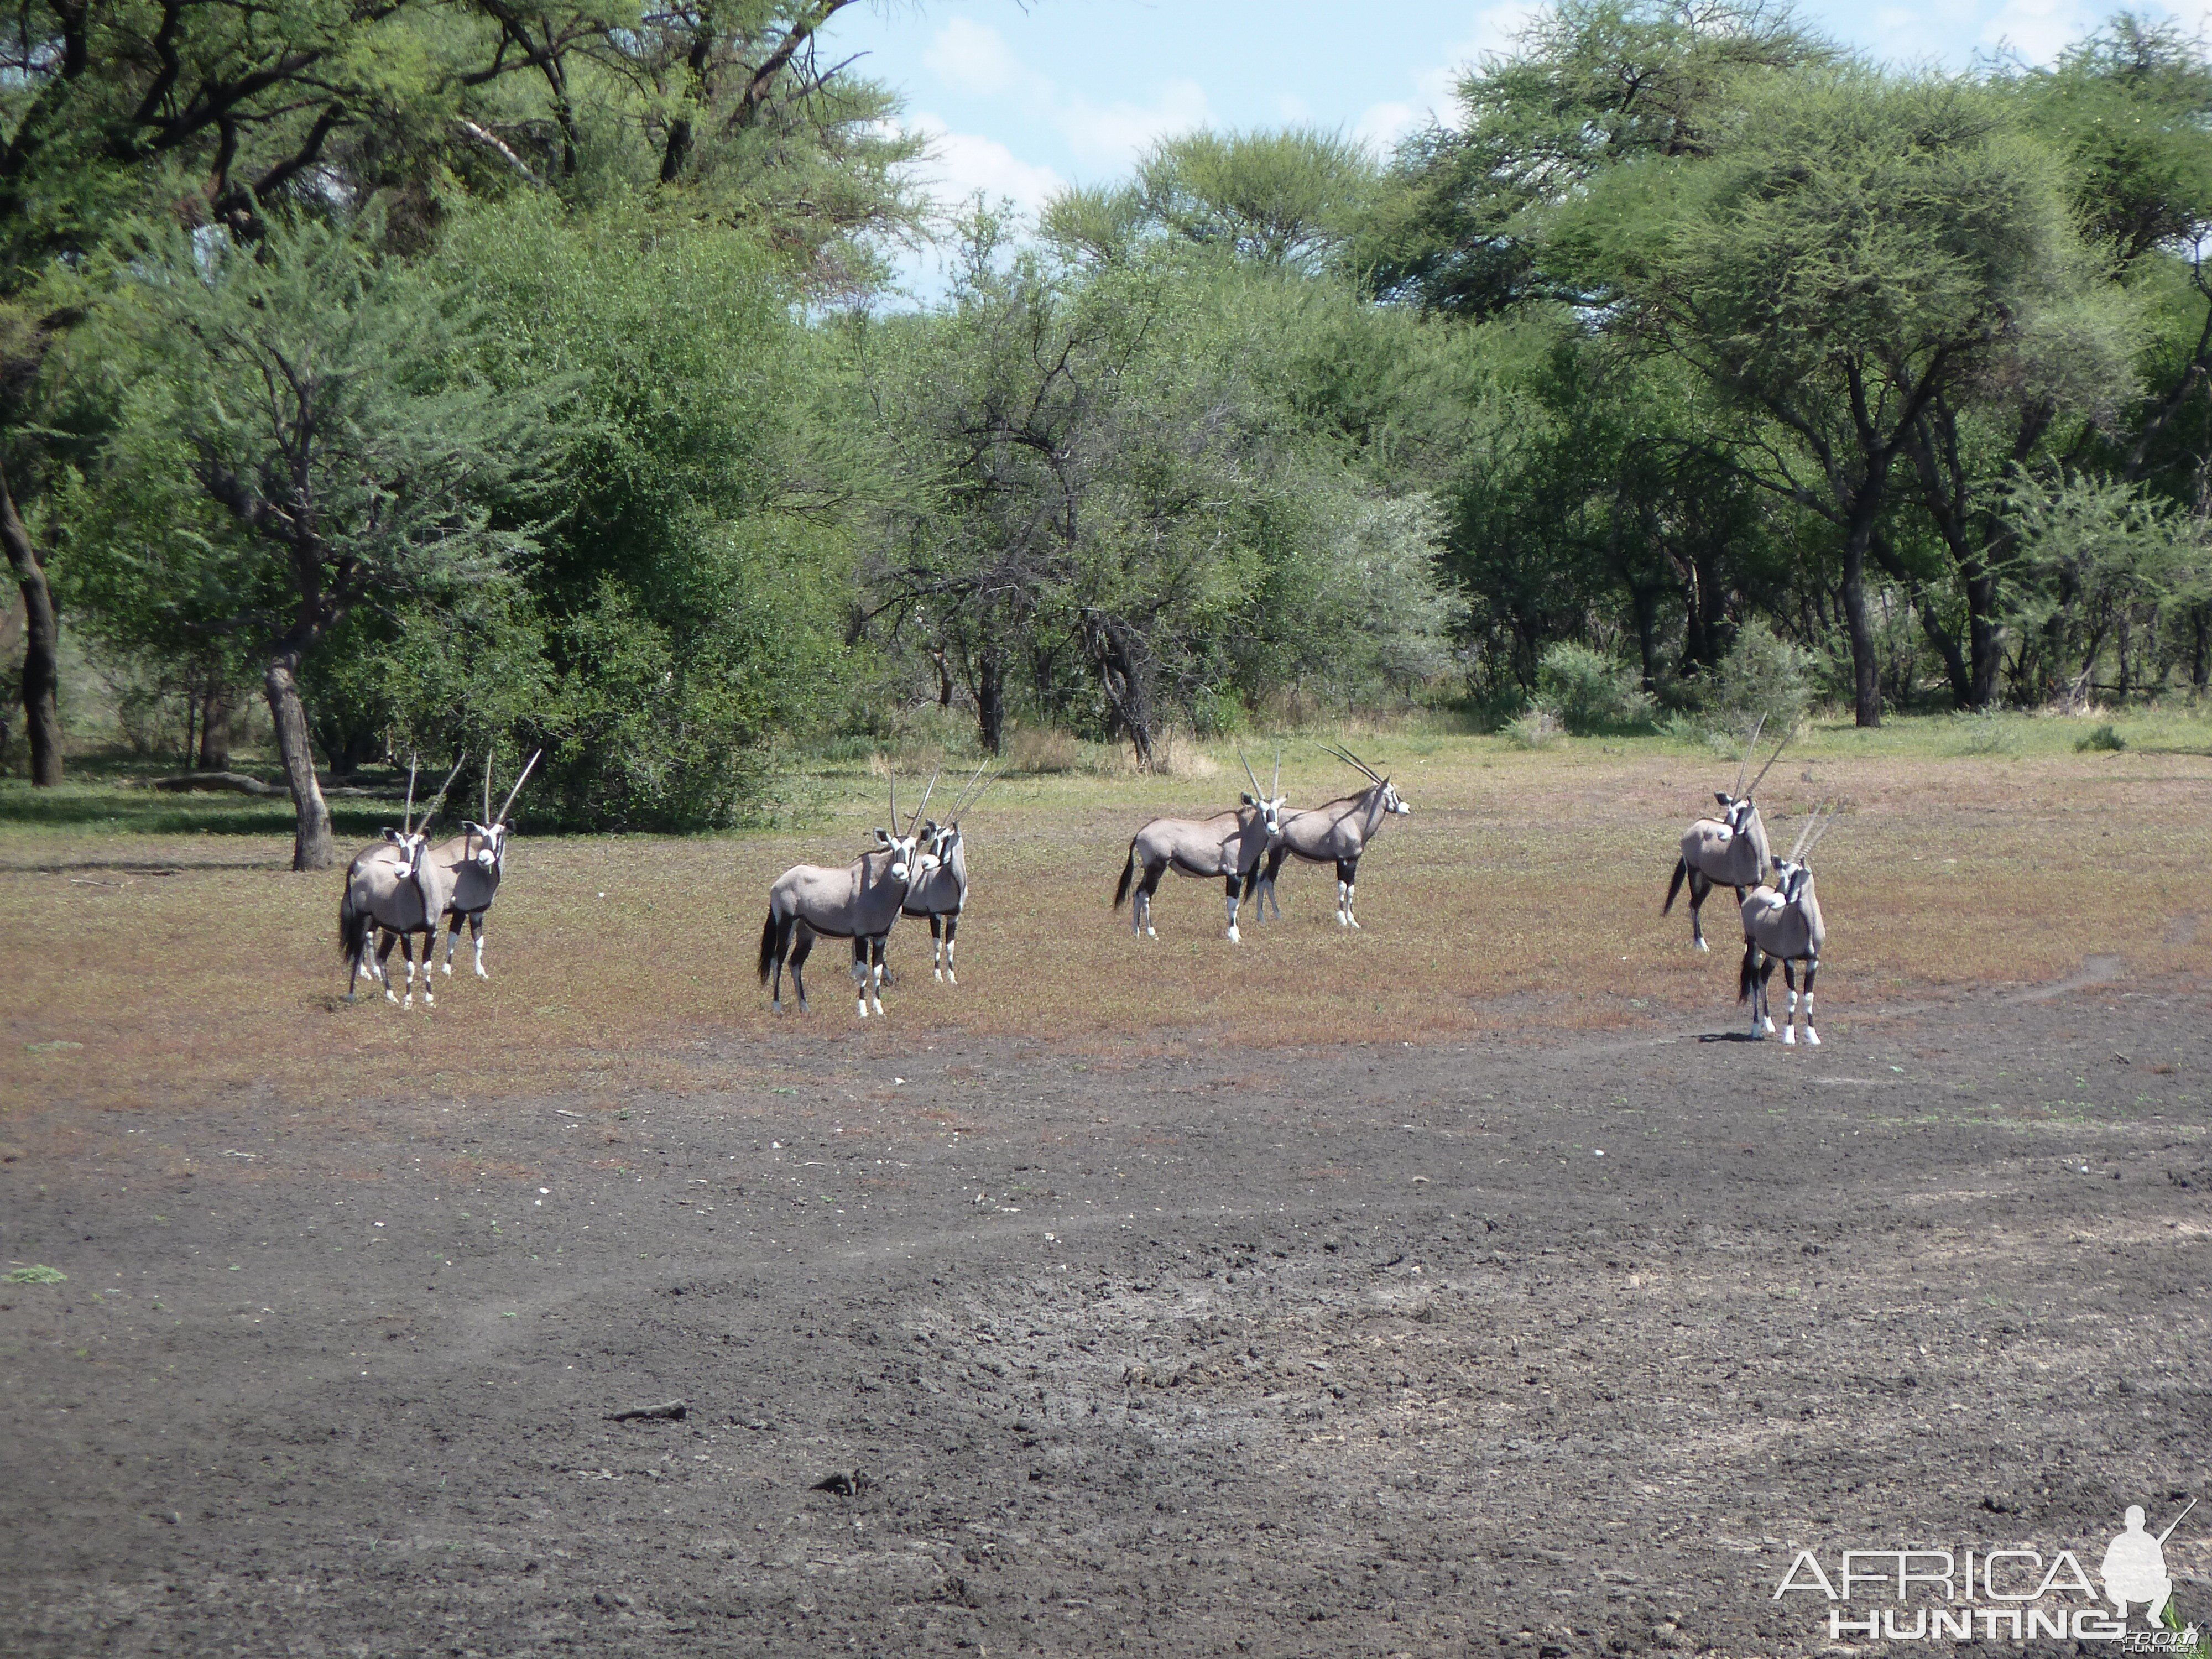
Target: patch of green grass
column 37, row 1275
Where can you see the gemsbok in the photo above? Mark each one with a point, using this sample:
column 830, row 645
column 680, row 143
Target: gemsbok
column 859, row 902
column 1227, row 845
column 942, row 895
column 396, row 899
column 1782, row 923
column 477, row 857
column 1729, row 851
column 1336, row 833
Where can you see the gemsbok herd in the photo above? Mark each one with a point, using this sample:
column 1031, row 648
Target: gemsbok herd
column 404, row 887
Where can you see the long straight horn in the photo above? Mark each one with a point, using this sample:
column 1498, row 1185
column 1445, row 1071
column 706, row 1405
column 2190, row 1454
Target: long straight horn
column 1772, row 758
column 489, row 759
column 894, row 776
column 1342, row 754
column 517, row 790
column 431, row 811
column 926, row 795
column 970, row 792
column 1804, row 833
column 1351, row 759
column 407, row 813
column 1826, row 824
column 1256, row 793
column 1276, row 787
column 1750, row 746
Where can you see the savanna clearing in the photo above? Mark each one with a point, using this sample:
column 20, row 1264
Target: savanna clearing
column 1429, row 1289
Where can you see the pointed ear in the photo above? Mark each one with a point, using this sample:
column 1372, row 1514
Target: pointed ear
column 392, row 835
column 1720, row 795
column 883, row 837
column 1245, row 795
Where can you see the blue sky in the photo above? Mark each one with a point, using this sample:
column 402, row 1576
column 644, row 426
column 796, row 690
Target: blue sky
column 1020, row 100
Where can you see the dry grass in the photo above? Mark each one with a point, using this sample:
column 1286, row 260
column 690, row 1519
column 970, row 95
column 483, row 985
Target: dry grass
column 1523, row 894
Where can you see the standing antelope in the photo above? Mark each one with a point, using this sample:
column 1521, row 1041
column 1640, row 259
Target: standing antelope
column 942, row 895
column 397, row 897
column 476, row 857
column 1729, row 851
column 1782, row 923
column 1337, row 833
column 1229, row 846
column 859, row 902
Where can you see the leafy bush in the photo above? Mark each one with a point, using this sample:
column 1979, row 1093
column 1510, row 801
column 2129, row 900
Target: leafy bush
column 1762, row 675
column 1539, row 728
column 1590, row 694
column 2103, row 739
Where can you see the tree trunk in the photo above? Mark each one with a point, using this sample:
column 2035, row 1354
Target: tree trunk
column 312, row 847
column 1984, row 638
column 2200, row 656
column 1645, row 602
column 42, row 717
column 217, row 704
column 1866, row 686
column 991, row 699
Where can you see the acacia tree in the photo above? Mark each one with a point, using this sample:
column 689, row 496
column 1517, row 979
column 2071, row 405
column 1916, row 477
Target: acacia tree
column 318, row 406
column 1855, row 250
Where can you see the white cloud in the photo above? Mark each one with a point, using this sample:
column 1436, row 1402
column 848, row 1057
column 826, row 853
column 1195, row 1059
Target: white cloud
column 1436, row 88
column 961, row 164
column 1113, row 134
column 973, row 57
column 2037, row 29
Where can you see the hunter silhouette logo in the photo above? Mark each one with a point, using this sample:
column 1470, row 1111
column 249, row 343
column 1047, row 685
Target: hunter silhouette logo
column 2013, row 1593
column 2135, row 1566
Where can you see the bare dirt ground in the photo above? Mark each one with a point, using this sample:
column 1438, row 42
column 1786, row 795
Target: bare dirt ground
column 1354, row 1350
column 1166, row 1297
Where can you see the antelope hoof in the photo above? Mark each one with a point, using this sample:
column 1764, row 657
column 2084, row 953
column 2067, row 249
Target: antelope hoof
column 480, row 972
column 863, row 1007
column 939, row 974
column 449, row 970
column 776, row 1004
column 1354, row 920
column 1769, row 1020
column 1152, row 933
column 949, row 980
column 1699, row 944
column 1812, row 1038
column 880, row 1008
column 390, row 996
column 1234, row 938
column 1790, row 1036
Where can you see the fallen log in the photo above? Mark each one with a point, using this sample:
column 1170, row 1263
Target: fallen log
column 235, row 783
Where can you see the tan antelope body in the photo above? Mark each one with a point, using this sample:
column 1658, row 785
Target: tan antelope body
column 860, row 902
column 477, row 858
column 1783, row 923
column 1729, row 851
column 1337, row 833
column 1227, row 847
column 397, row 891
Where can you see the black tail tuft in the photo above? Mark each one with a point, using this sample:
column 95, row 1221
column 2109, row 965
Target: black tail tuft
column 1681, row 874
column 1749, row 975
column 770, row 931
column 353, row 927
column 1128, row 874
